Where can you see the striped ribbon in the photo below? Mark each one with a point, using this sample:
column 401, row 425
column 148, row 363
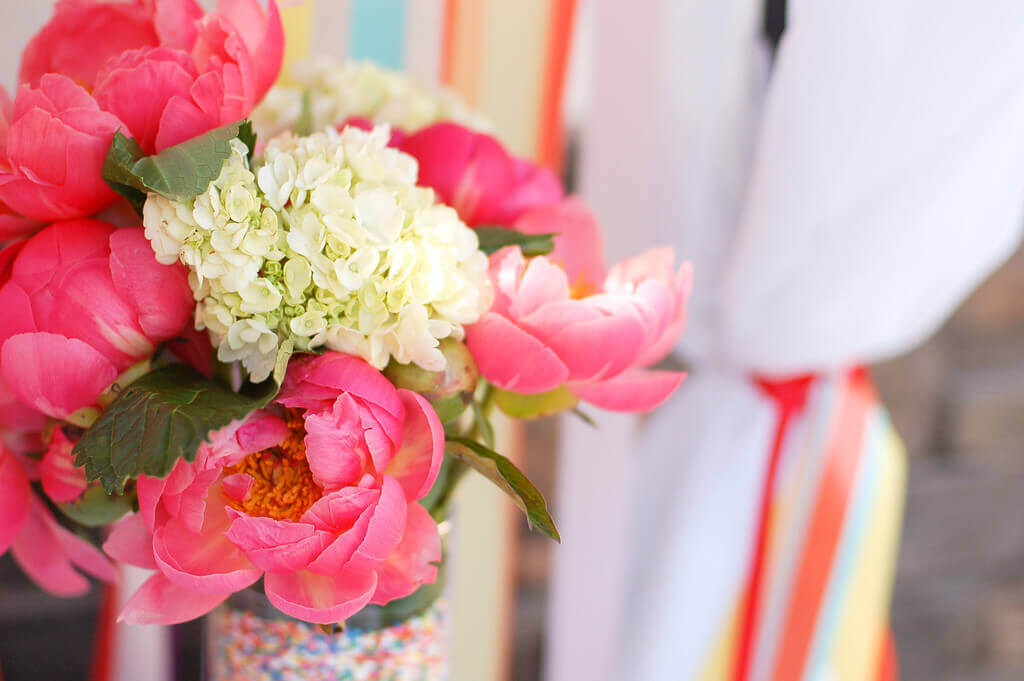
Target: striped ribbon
column 507, row 59
column 815, row 602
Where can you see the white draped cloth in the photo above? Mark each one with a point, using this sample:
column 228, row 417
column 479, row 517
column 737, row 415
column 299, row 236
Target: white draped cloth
column 837, row 201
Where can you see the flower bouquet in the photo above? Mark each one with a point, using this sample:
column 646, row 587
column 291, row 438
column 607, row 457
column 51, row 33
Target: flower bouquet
column 260, row 357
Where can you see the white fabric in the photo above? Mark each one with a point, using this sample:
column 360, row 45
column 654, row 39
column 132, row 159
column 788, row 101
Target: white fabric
column 884, row 181
column 888, row 181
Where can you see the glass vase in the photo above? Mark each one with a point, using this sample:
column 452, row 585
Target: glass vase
column 247, row 639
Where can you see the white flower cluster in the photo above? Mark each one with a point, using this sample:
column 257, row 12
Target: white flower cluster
column 326, row 242
column 339, row 90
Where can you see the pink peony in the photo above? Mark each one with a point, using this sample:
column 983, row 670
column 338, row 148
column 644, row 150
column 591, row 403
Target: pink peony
column 164, row 68
column 47, row 552
column 473, row 173
column 82, row 35
column 317, row 496
column 51, row 157
column 62, row 480
column 558, row 320
column 83, row 302
column 168, row 95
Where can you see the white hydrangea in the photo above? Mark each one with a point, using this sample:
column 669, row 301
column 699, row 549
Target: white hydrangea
column 326, row 242
column 339, row 90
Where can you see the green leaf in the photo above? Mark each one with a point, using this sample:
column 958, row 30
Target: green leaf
column 521, row 406
column 510, row 479
column 122, row 156
column 493, row 238
column 438, row 499
column 158, row 419
column 483, row 424
column 96, row 508
column 584, row 416
column 179, row 173
column 247, row 135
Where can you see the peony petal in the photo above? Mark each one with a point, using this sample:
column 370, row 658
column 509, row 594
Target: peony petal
column 131, row 542
column 303, row 385
column 263, row 35
column 13, row 225
column 372, row 538
column 194, row 348
column 335, row 449
column 237, row 486
column 82, row 36
column 542, row 282
column 207, row 561
column 160, row 601
column 136, row 86
column 535, row 186
column 383, row 534
column 599, row 348
column 470, row 171
column 18, row 316
column 62, row 480
column 54, row 374
column 511, row 358
column 635, row 390
column 150, row 490
column 15, row 498
column 276, row 545
column 339, row 510
column 82, row 553
column 322, row 599
column 42, row 557
column 416, row 464
column 159, row 294
column 414, row 562
column 175, row 22
column 261, row 431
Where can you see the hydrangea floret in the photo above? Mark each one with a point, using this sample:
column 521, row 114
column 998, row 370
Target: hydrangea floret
column 339, row 90
column 324, row 242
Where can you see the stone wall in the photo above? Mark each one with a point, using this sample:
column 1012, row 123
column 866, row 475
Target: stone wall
column 958, row 401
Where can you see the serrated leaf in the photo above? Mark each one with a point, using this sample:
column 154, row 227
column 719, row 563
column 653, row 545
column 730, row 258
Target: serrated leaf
column 494, row 238
column 247, row 135
column 536, row 406
column 96, row 508
column 158, row 419
column 122, row 156
column 180, row 172
column 508, row 478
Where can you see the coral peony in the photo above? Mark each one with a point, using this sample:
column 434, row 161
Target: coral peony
column 317, row 496
column 164, row 68
column 555, row 324
column 225, row 64
column 52, row 156
column 82, row 35
column 47, row 552
column 475, row 175
column 83, row 302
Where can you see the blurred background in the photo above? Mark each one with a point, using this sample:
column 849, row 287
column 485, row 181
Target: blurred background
column 958, row 609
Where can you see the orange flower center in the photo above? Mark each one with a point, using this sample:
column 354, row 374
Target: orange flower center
column 581, row 288
column 283, row 486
